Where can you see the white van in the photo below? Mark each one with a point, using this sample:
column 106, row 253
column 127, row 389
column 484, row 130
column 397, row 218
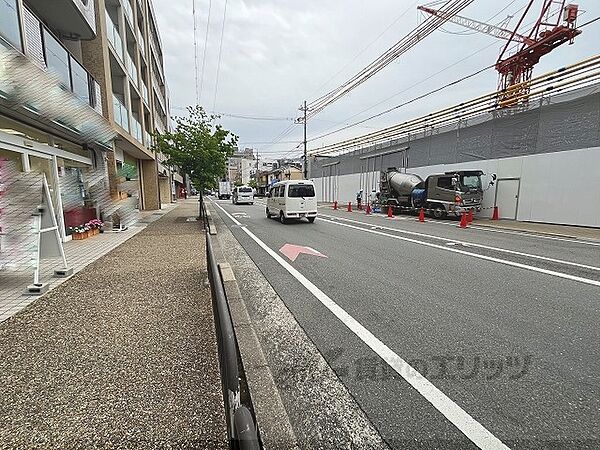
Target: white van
column 242, row 194
column 292, row 200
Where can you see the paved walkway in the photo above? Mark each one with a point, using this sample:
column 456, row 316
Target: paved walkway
column 121, row 355
column 79, row 254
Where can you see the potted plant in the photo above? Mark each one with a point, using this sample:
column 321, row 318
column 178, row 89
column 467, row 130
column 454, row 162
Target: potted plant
column 79, row 232
column 94, row 226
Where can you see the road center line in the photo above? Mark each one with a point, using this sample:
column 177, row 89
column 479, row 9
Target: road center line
column 470, row 244
column 474, row 255
column 472, row 429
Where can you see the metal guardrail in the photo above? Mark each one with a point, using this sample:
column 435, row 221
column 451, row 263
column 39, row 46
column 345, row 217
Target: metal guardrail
column 242, row 430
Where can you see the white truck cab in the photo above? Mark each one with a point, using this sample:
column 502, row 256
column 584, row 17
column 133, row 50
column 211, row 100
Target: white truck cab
column 294, row 199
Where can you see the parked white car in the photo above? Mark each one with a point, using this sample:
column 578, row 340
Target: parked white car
column 292, row 200
column 242, row 194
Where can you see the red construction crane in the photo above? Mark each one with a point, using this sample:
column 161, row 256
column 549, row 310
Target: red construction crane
column 555, row 25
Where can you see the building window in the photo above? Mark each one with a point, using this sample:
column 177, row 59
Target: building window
column 57, row 58
column 10, row 30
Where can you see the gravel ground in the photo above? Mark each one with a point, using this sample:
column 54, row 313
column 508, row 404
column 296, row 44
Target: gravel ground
column 122, row 355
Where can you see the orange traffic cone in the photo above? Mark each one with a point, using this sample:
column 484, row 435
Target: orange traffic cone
column 349, row 206
column 496, row 213
column 422, row 215
column 470, row 216
column 335, row 205
column 390, row 211
column 368, row 210
column 463, row 221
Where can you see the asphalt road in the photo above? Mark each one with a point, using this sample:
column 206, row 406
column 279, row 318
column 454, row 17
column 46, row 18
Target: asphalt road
column 500, row 327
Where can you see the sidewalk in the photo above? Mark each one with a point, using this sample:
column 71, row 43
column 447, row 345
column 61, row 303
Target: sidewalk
column 121, row 355
column 79, row 254
column 587, row 233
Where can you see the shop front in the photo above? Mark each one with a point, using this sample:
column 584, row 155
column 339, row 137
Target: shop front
column 30, row 160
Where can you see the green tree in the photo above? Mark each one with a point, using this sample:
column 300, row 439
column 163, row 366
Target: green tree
column 199, row 148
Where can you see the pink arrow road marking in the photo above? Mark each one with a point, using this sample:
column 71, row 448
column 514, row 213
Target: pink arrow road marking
column 292, row 251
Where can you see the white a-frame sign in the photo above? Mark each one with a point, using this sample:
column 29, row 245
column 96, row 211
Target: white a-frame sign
column 48, row 241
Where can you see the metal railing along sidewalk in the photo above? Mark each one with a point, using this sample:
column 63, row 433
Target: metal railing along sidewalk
column 242, row 429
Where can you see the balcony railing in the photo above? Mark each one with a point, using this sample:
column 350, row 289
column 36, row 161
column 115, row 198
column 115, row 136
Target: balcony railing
column 47, row 52
column 145, row 92
column 114, row 37
column 136, row 129
column 132, row 69
column 147, row 139
column 141, row 43
column 121, row 113
column 128, row 11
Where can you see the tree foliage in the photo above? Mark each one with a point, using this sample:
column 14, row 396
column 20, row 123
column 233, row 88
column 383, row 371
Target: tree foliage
column 199, row 148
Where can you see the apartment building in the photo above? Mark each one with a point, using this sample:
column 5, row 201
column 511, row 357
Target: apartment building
column 82, row 88
column 127, row 60
column 241, row 166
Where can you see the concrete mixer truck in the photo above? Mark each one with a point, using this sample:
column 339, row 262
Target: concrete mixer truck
column 449, row 193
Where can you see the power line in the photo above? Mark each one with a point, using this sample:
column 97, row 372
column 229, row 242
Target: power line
column 405, row 103
column 220, row 51
column 265, row 118
column 204, row 52
column 560, row 79
column 421, row 81
column 412, row 86
column 366, row 48
column 267, row 142
column 451, row 7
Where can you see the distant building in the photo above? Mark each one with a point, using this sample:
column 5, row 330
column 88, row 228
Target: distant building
column 241, row 166
column 281, row 173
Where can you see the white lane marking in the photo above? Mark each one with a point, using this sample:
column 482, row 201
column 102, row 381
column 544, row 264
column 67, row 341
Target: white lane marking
column 469, row 244
column 474, row 255
column 496, row 230
column 472, row 429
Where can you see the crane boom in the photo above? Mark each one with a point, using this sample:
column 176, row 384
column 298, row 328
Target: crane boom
column 476, row 25
column 556, row 25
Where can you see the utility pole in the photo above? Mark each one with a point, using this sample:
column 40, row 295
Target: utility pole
column 256, row 176
column 305, row 154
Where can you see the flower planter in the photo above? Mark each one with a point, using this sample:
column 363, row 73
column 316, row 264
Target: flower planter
column 80, row 236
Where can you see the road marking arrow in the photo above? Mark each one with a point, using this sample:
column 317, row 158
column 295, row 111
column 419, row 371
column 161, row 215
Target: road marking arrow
column 292, row 251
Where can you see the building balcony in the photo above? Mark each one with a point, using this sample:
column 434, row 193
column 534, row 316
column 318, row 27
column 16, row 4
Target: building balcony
column 49, row 54
column 114, row 37
column 136, row 130
column 128, row 12
column 145, row 93
column 132, row 70
column 120, row 113
column 72, row 18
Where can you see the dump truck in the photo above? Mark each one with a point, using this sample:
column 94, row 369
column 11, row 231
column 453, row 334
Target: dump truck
column 449, row 193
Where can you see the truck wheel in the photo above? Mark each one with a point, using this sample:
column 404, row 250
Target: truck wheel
column 311, row 219
column 267, row 213
column 439, row 212
column 282, row 218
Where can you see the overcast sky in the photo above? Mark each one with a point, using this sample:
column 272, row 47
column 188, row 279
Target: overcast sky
column 277, row 53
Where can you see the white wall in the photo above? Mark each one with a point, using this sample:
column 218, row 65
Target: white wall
column 562, row 187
